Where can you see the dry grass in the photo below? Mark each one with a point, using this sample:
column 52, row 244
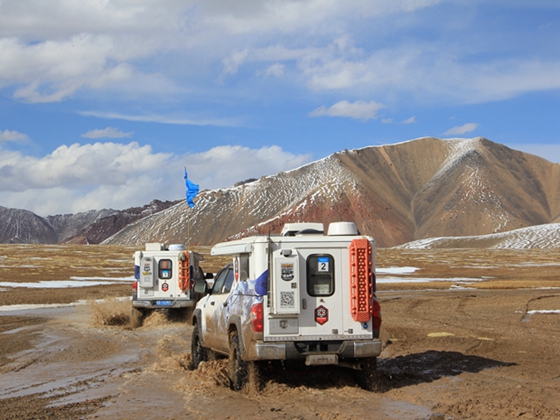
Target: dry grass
column 500, row 269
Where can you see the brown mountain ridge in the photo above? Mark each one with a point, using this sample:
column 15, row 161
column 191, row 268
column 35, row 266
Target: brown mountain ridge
column 422, row 188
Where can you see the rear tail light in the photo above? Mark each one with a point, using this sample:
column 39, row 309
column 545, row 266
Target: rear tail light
column 134, row 285
column 257, row 322
column 376, row 315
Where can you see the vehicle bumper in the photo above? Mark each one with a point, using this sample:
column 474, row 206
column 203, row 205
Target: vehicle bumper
column 152, row 304
column 261, row 350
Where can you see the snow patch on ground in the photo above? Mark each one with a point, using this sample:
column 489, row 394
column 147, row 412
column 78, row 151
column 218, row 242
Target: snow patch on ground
column 396, row 270
column 464, row 280
column 534, row 237
column 10, row 308
column 74, row 282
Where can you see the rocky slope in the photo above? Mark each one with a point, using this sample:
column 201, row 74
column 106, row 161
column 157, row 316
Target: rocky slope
column 418, row 189
column 22, row 226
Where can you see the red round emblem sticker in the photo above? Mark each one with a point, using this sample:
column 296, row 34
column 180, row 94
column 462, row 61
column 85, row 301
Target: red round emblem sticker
column 321, row 315
column 165, row 287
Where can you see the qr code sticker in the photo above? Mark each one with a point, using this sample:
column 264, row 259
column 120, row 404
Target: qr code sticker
column 287, row 299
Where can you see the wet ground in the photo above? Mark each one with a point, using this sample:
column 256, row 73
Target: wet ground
column 449, row 353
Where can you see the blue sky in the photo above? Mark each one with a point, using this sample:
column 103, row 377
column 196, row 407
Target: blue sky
column 103, row 102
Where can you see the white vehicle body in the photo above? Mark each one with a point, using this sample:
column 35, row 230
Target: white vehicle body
column 301, row 295
column 165, row 277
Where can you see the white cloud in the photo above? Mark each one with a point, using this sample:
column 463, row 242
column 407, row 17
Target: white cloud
column 231, row 64
column 276, row 70
column 54, row 69
column 359, row 110
column 164, row 119
column 279, row 16
column 53, row 50
column 14, row 136
column 109, row 175
column 109, row 132
column 410, row 120
column 223, row 166
column 462, row 129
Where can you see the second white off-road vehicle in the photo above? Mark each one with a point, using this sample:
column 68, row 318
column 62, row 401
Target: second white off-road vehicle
column 165, row 276
column 298, row 296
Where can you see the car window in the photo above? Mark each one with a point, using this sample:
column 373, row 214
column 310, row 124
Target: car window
column 219, row 282
column 320, row 275
column 229, row 282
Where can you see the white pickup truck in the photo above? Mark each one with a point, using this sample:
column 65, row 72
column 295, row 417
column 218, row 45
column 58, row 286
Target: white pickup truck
column 298, row 296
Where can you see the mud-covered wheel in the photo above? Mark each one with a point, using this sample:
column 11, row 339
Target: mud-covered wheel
column 238, row 369
column 136, row 318
column 366, row 378
column 198, row 352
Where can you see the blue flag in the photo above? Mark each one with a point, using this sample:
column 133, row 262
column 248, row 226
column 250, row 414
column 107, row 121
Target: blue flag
column 192, row 190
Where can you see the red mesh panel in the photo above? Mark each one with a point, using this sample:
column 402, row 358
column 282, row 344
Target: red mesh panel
column 361, row 280
column 184, row 273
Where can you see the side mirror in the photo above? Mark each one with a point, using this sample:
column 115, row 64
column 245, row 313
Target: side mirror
column 201, row 287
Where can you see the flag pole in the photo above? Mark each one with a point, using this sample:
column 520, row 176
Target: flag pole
column 188, row 227
column 191, row 192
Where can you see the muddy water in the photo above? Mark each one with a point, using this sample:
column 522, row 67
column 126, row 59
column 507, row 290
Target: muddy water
column 143, row 373
column 447, row 355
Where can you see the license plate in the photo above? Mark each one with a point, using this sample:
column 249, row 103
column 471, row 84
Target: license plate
column 321, row 359
column 163, row 303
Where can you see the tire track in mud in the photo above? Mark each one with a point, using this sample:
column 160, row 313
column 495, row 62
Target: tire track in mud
column 526, row 317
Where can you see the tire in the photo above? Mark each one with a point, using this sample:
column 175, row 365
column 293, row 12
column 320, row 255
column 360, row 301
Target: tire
column 136, row 318
column 367, row 378
column 238, row 368
column 198, row 352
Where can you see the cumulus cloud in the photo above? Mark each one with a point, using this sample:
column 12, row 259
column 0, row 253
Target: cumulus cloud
column 109, row 132
column 225, row 165
column 52, row 70
column 462, row 129
column 110, row 175
column 77, row 165
column 360, row 110
column 410, row 120
column 14, row 136
column 54, row 50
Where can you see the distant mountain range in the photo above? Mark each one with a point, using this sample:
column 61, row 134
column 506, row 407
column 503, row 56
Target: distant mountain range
column 398, row 193
column 93, row 227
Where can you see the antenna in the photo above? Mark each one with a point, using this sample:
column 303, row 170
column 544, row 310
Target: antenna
column 270, row 274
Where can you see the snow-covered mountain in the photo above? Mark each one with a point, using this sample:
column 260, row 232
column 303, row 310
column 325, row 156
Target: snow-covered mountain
column 419, row 189
column 22, row 226
column 422, row 188
column 94, row 226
